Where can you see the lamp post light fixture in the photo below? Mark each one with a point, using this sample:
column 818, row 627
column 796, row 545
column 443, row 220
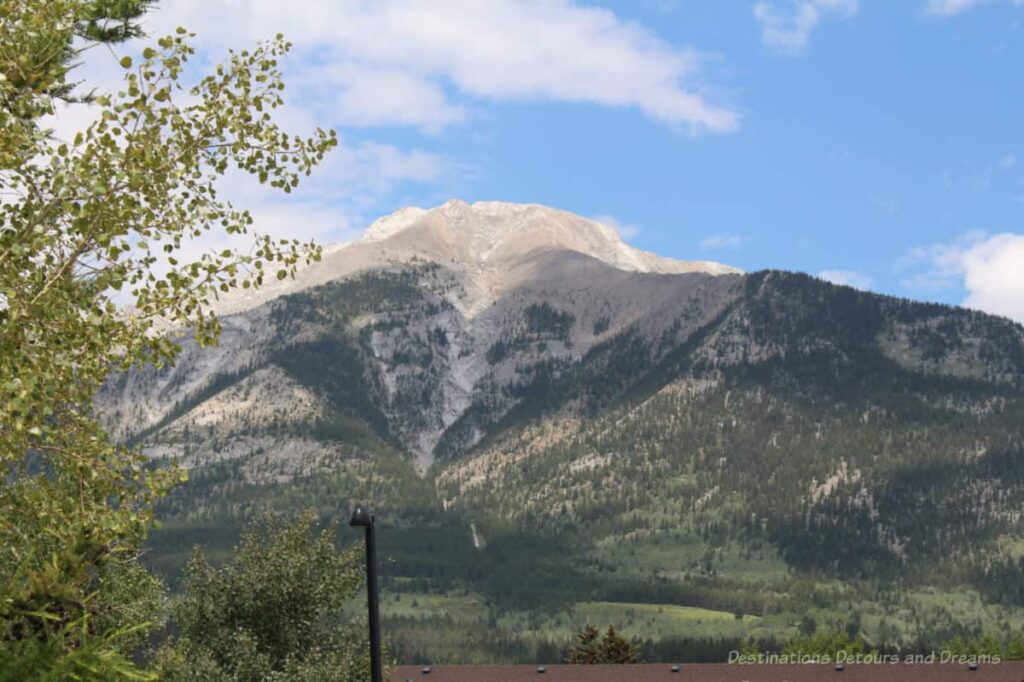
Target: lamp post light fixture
column 362, row 518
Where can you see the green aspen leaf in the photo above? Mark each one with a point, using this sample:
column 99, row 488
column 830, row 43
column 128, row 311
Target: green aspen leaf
column 140, row 179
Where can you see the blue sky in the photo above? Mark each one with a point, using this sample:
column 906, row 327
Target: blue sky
column 875, row 142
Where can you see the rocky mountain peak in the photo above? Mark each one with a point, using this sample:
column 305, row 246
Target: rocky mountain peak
column 496, row 245
column 492, row 232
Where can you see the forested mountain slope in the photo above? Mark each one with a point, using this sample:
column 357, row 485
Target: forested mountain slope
column 551, row 421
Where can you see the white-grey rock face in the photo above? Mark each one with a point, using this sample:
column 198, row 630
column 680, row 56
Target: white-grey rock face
column 496, row 233
column 492, row 244
column 495, row 263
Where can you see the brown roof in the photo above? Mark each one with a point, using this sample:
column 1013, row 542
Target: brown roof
column 708, row 672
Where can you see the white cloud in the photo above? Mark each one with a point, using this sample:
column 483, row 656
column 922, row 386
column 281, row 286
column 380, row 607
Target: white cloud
column 419, row 64
column 333, row 203
column 625, row 230
column 722, row 241
column 400, row 62
column 942, row 264
column 788, row 30
column 343, row 193
column 850, row 278
column 989, row 267
column 377, row 97
column 947, row 8
column 69, row 119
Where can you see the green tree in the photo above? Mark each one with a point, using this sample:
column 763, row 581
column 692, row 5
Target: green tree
column 592, row 648
column 824, row 643
column 586, row 649
column 616, row 649
column 1014, row 650
column 808, row 626
column 47, row 47
column 275, row 613
column 87, row 225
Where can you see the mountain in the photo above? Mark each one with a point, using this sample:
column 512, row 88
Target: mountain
column 493, row 247
column 557, row 428
column 467, row 282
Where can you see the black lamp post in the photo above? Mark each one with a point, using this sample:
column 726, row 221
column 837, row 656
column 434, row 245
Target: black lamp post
column 363, row 518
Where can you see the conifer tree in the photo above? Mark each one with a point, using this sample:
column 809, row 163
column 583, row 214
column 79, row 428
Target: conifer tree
column 592, row 648
column 616, row 649
column 586, row 650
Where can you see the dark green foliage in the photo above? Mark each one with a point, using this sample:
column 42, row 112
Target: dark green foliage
column 439, row 336
column 275, row 612
column 497, row 352
column 337, row 302
column 97, row 22
column 530, row 569
column 825, row 374
column 1003, row 582
column 112, row 21
column 677, row 467
column 700, row 649
column 437, row 556
column 123, row 605
column 341, row 427
column 177, row 541
column 616, row 649
column 75, row 507
column 43, row 660
column 540, row 323
column 592, row 648
column 832, row 644
column 334, row 367
column 339, row 362
column 542, row 318
column 586, row 648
